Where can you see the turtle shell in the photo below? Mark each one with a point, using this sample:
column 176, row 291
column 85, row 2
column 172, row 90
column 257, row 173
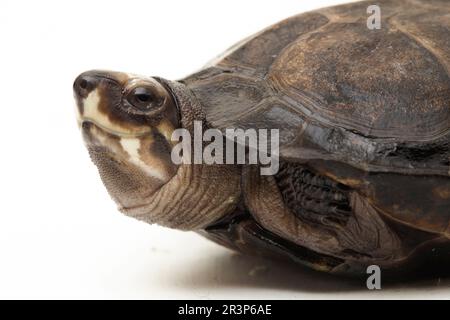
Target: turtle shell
column 376, row 99
column 366, row 109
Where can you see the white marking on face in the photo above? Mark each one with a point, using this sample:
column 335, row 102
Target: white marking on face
column 91, row 112
column 132, row 146
column 132, row 75
column 166, row 129
column 78, row 115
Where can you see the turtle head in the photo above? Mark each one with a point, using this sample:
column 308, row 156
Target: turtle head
column 127, row 122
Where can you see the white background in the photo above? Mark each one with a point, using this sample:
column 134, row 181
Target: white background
column 60, row 234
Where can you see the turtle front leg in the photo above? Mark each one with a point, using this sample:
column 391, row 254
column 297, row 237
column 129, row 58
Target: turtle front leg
column 320, row 214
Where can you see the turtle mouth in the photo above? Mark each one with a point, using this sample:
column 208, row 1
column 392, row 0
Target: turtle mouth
column 86, row 123
column 96, row 136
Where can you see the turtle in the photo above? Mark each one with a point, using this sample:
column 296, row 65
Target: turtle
column 363, row 117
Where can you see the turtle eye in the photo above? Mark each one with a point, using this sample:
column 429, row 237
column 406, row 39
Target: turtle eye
column 143, row 99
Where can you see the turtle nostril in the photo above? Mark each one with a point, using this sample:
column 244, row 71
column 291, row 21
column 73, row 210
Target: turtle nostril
column 84, row 84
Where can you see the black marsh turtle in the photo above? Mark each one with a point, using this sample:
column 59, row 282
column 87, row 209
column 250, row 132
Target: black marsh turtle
column 364, row 120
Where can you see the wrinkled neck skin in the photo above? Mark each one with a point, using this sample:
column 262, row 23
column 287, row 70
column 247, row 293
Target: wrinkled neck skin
column 198, row 194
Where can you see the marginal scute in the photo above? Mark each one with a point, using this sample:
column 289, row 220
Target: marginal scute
column 417, row 201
